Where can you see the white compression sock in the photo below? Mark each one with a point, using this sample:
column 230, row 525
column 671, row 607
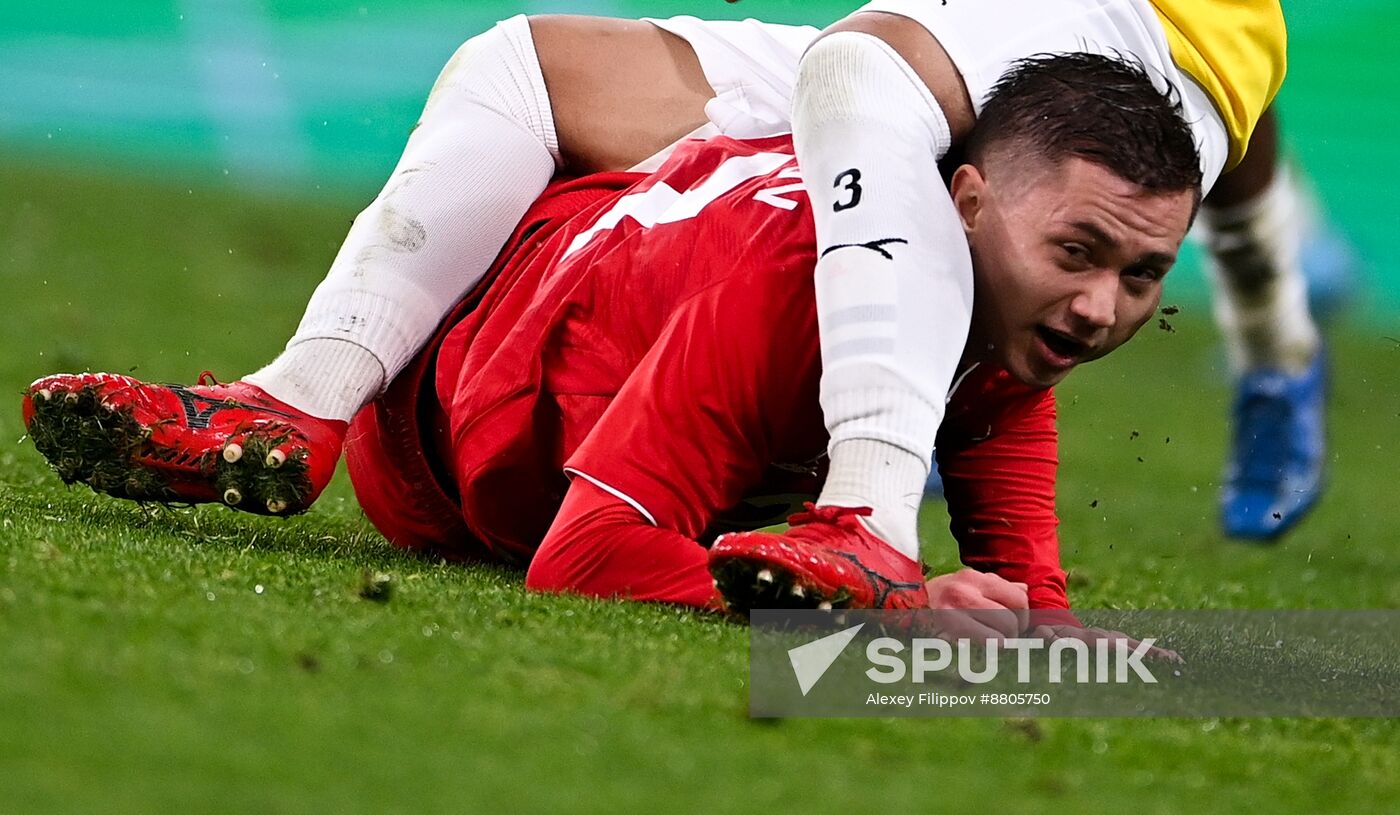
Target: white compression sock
column 483, row 151
column 894, row 278
column 1261, row 301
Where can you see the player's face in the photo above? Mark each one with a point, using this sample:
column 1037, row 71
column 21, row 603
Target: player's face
column 1068, row 261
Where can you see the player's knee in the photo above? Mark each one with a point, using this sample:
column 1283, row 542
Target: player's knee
column 499, row 70
column 619, row 90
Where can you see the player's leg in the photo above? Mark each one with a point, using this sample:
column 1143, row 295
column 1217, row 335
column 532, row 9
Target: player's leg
column 894, row 281
column 1254, row 221
column 621, row 90
column 484, row 148
column 488, row 141
column 878, row 100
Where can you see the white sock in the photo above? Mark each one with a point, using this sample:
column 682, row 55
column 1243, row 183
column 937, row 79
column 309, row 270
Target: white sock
column 1261, row 302
column 876, row 474
column 329, row 379
column 894, row 306
column 482, row 152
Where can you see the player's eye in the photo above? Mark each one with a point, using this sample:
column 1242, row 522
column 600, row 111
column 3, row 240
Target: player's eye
column 1142, row 279
column 1145, row 274
column 1075, row 254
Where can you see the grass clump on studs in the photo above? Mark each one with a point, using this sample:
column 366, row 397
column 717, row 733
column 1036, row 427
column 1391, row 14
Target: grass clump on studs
column 287, row 484
column 86, row 442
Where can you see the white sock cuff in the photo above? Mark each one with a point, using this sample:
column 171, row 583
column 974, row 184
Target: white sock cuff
column 381, row 322
column 873, row 461
column 886, row 478
column 326, row 378
column 890, row 415
column 854, row 76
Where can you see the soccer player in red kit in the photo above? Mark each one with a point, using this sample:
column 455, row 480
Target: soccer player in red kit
column 651, row 370
column 640, row 371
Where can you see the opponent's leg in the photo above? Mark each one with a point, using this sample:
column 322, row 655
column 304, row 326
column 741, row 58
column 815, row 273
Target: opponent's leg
column 182, row 444
column 486, row 145
column 483, row 150
column 489, row 140
column 894, row 279
column 621, row 90
column 1254, row 220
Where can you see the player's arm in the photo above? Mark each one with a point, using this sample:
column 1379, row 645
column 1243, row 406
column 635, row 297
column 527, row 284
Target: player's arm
column 691, row 430
column 602, row 546
column 1001, row 498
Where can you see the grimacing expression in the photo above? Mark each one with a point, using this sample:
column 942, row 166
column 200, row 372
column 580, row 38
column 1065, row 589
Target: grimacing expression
column 1068, row 260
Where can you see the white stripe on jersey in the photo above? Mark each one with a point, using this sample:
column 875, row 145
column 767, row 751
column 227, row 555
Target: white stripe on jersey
column 662, row 204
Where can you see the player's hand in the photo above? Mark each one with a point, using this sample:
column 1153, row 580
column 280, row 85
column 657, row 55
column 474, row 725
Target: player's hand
column 1050, row 633
column 978, row 606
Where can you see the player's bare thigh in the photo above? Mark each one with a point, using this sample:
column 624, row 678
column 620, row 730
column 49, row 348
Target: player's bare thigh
column 621, row 90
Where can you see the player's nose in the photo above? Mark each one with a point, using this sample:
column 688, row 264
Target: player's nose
column 1095, row 305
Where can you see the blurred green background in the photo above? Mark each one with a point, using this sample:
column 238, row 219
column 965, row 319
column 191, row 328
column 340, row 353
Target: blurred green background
column 316, row 97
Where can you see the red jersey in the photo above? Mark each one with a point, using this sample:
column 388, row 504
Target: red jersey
column 662, row 345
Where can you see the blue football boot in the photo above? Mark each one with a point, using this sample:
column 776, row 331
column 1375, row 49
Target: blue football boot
column 1274, row 475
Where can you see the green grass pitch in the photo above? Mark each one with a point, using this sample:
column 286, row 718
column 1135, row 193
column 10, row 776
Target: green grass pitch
column 158, row 660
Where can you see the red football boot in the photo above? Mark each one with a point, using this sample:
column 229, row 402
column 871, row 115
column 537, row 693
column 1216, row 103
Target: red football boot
column 176, row 444
column 827, row 559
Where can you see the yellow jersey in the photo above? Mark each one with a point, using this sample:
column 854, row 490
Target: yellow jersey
column 1237, row 50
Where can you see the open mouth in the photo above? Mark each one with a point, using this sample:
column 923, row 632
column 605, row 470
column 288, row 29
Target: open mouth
column 1064, row 349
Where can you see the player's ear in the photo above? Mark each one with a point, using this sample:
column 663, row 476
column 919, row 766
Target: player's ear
column 969, row 191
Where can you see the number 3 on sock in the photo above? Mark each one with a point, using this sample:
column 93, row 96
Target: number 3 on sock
column 849, row 180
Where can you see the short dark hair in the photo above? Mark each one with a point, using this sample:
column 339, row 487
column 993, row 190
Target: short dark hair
column 1104, row 109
